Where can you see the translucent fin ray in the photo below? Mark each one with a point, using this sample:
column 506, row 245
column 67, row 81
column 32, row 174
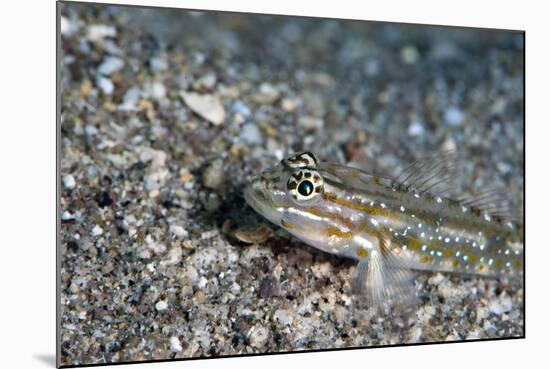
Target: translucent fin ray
column 430, row 173
column 492, row 202
column 383, row 281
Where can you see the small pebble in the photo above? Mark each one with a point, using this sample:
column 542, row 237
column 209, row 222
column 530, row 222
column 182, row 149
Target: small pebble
column 288, row 105
column 256, row 236
column 267, row 94
column 205, row 83
column 416, row 128
column 250, row 133
column 97, row 32
column 161, row 305
column 110, row 65
column 311, row 123
column 178, row 231
column 409, row 54
column 436, row 279
column 501, row 305
column 67, row 216
column 269, row 287
column 69, row 182
column 235, row 288
column 283, row 316
column 105, row 85
column 240, row 108
column 175, row 344
column 157, row 90
column 67, row 27
column 130, row 99
column 258, row 336
column 213, row 176
column 454, row 116
column 158, row 64
column 97, row 231
column 207, row 106
column 202, row 282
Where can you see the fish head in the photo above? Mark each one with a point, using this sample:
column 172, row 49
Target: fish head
column 294, row 183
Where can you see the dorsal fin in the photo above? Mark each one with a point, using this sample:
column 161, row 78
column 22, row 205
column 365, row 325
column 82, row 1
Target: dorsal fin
column 431, row 173
column 434, row 174
column 493, row 202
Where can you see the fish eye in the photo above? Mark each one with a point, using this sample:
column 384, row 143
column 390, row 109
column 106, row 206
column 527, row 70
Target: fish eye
column 304, row 184
column 305, row 188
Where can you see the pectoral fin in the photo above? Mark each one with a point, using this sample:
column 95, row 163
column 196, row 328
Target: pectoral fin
column 383, row 281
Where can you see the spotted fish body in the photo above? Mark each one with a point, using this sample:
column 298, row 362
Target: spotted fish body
column 391, row 226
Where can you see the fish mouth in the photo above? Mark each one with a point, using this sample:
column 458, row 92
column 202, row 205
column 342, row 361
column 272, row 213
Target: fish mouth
column 256, row 197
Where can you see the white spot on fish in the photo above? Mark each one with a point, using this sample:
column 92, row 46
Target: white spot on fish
column 363, row 242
